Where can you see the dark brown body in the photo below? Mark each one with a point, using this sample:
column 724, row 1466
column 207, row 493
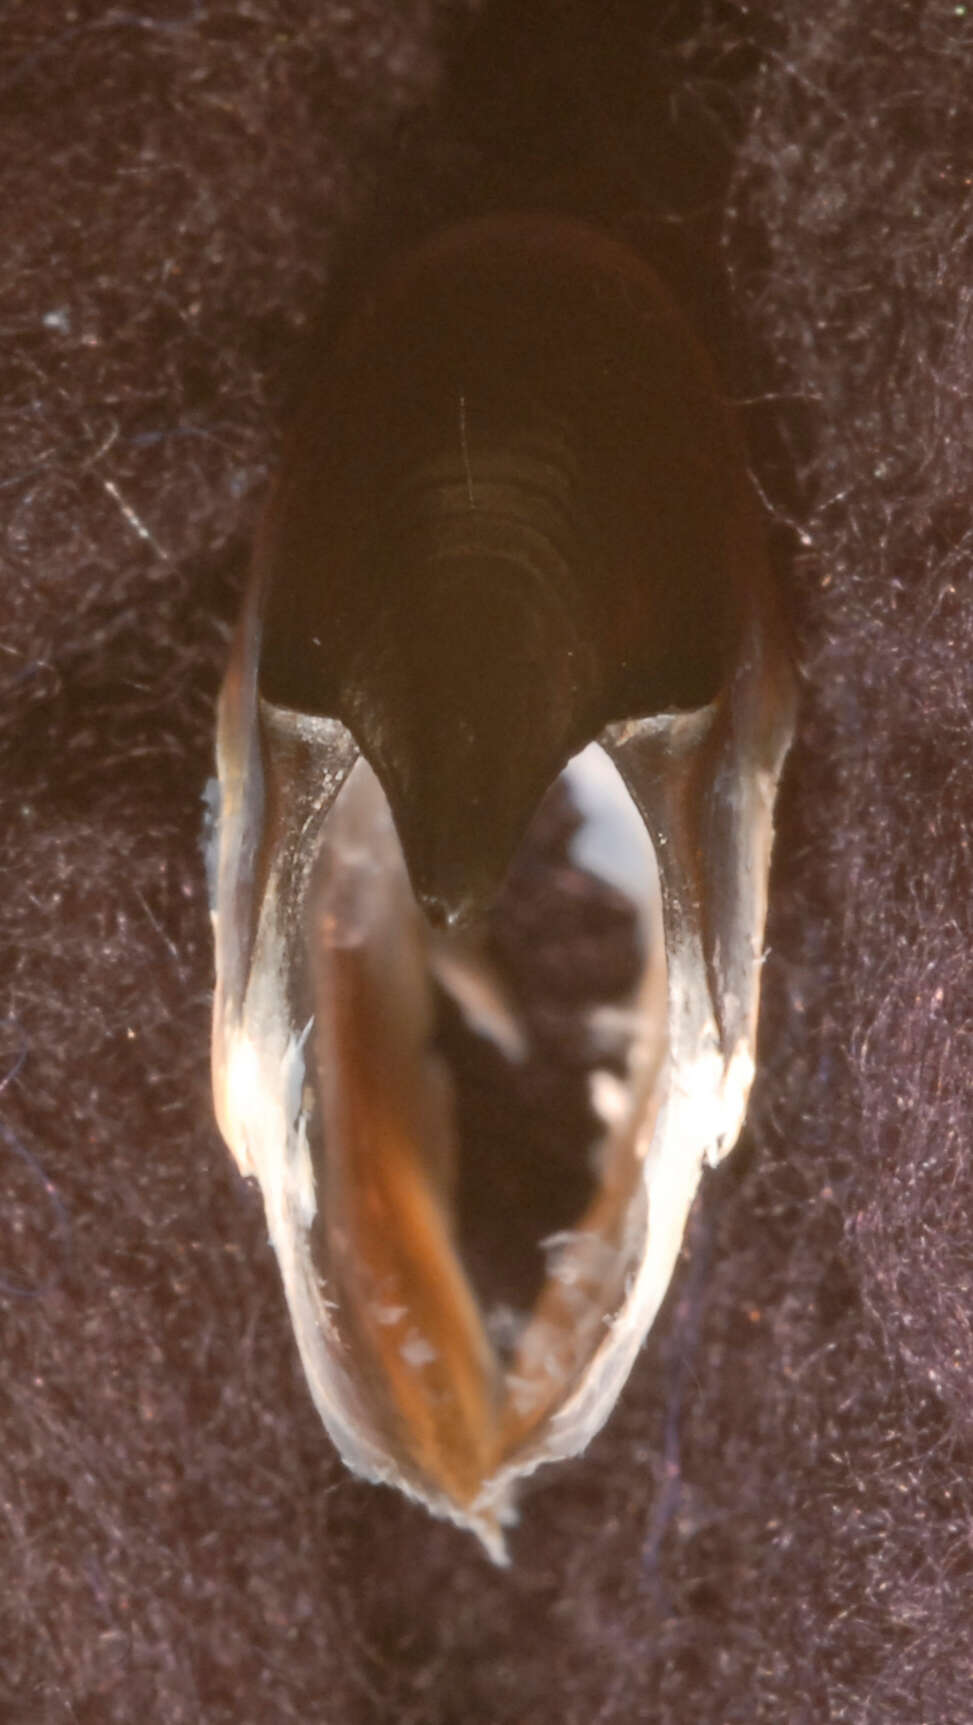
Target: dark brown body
column 515, row 512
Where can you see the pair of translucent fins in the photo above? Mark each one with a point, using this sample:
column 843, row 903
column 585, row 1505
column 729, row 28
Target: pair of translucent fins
column 513, row 546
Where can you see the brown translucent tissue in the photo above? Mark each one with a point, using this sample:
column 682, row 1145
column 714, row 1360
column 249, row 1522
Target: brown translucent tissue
column 512, row 556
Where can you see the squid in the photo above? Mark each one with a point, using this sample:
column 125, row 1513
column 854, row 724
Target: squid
column 510, row 670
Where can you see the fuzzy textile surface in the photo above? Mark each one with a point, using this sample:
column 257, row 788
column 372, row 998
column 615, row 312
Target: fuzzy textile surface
column 775, row 1527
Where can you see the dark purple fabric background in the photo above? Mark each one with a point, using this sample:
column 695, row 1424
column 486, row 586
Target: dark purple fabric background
column 776, row 1525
